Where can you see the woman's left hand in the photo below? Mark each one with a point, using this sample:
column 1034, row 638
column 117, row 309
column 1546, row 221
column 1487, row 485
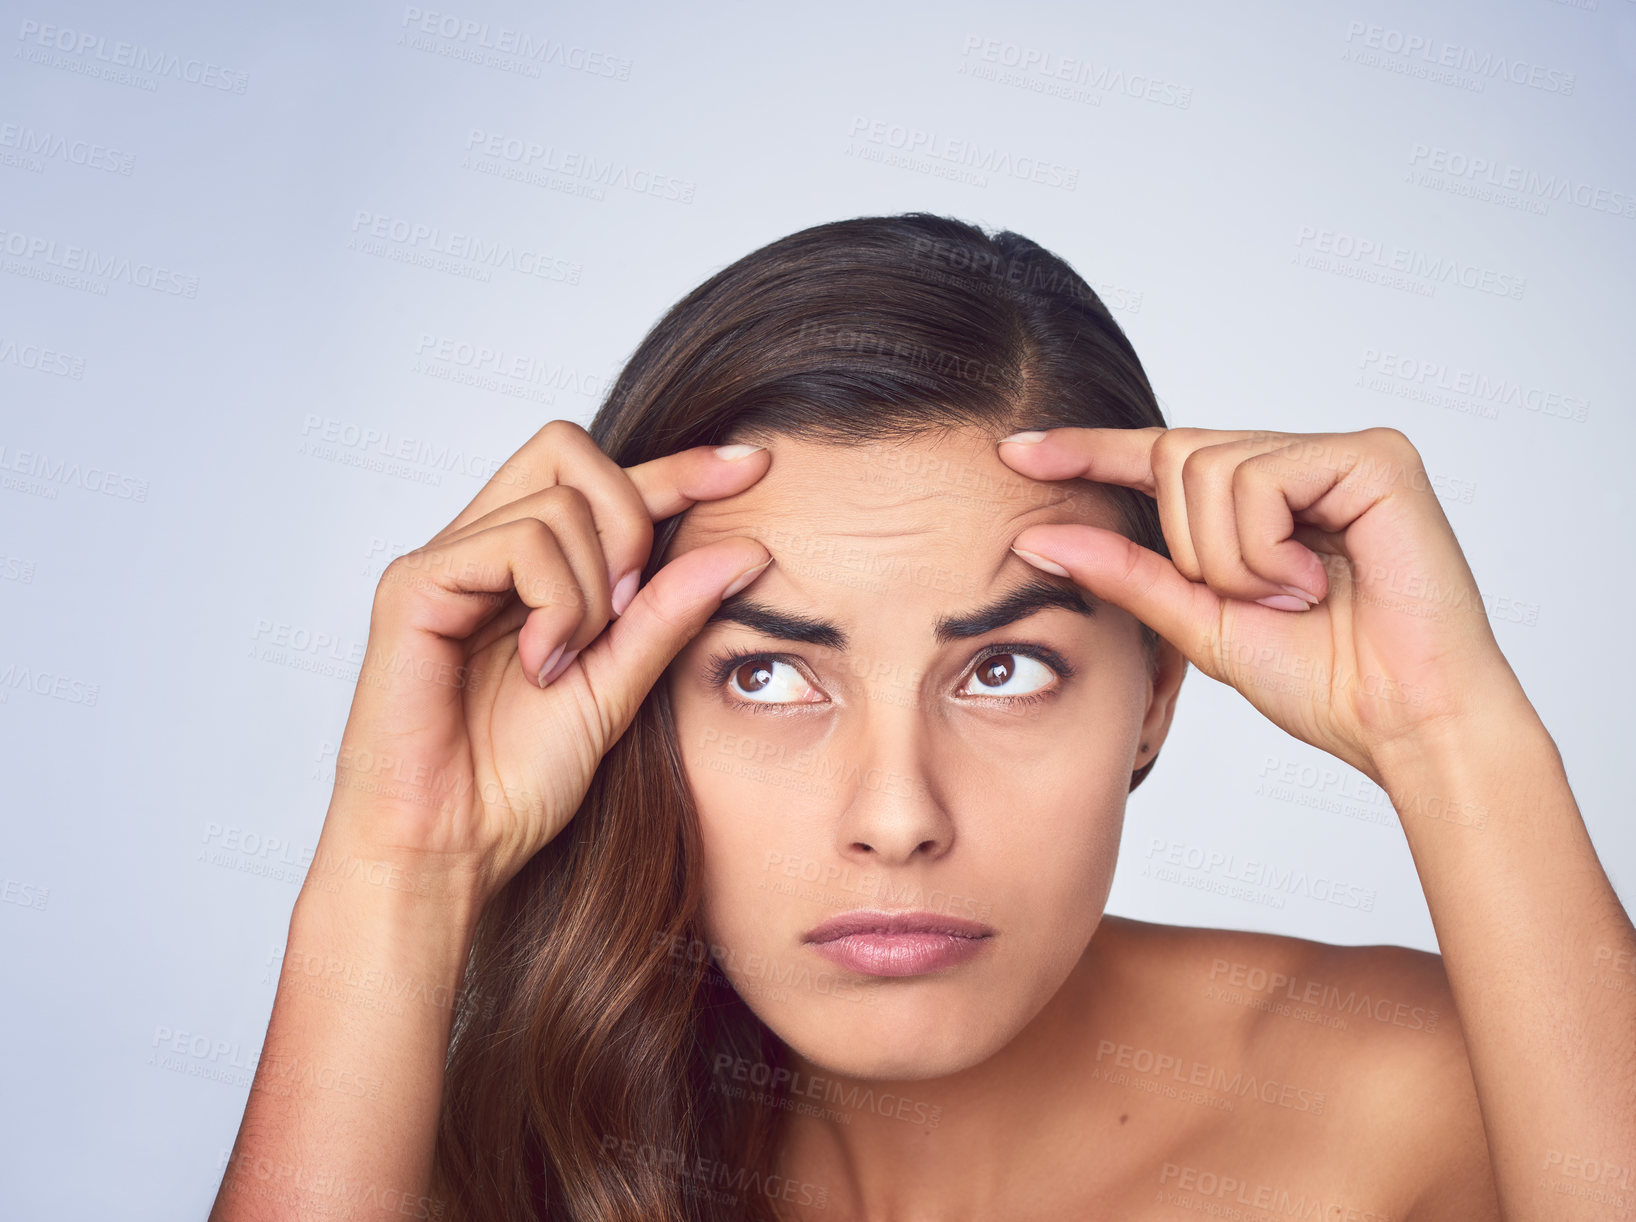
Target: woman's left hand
column 1398, row 643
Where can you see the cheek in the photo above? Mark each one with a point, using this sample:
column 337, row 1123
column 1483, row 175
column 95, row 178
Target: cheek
column 739, row 859
column 1040, row 834
column 1050, row 860
column 758, row 826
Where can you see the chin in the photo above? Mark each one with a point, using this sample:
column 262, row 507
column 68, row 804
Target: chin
column 900, row 1031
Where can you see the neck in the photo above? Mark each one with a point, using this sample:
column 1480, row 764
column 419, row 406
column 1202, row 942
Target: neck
column 968, row 1145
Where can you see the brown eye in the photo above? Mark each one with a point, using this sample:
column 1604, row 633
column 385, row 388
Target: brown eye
column 994, row 672
column 753, row 677
column 765, row 680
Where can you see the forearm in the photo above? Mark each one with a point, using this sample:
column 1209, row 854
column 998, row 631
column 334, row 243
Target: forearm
column 1537, row 950
column 342, row 1114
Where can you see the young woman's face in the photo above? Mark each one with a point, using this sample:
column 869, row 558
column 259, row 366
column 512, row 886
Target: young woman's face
column 902, row 716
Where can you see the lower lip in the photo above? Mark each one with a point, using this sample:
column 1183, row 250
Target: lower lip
column 899, row 954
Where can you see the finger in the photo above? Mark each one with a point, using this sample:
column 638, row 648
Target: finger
column 1112, row 455
column 677, row 482
column 1170, row 452
column 624, row 503
column 621, row 666
column 1241, row 526
column 1268, row 492
column 1134, row 578
column 1107, row 456
column 452, row 590
column 563, row 453
column 568, row 513
column 1332, row 480
column 1147, row 459
column 530, row 469
column 1207, row 488
column 667, row 486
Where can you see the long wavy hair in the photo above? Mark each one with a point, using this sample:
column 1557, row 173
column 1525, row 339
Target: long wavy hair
column 580, row 1068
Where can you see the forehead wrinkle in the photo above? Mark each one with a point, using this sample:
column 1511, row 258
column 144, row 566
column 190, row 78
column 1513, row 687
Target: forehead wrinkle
column 717, row 518
column 802, row 499
column 925, row 514
column 798, row 542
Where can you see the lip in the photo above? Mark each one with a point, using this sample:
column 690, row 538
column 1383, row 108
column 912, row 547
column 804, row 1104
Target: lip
column 877, row 943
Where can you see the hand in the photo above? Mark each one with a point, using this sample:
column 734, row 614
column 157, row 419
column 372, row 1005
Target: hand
column 1259, row 524
column 490, row 691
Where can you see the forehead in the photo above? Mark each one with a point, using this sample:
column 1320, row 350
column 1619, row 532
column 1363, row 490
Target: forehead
column 944, row 495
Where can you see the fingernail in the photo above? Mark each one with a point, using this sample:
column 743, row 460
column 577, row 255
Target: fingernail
column 1050, row 566
column 1028, row 437
column 624, row 591
column 551, row 672
column 734, row 452
column 1284, row 602
column 545, row 670
column 1309, row 599
column 745, row 579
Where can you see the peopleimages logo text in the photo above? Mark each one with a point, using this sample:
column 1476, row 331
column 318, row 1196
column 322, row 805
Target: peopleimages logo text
column 1442, row 54
column 134, row 56
column 967, row 153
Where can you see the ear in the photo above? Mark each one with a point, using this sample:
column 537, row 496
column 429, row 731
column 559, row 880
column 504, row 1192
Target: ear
column 1168, row 671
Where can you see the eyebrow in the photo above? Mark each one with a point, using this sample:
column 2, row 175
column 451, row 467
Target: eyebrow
column 1034, row 594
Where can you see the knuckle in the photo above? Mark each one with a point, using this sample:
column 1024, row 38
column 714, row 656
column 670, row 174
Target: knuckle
column 666, row 608
column 1194, row 464
column 547, row 579
column 399, row 572
column 1137, row 570
column 550, row 586
column 1393, row 439
column 564, row 432
column 1130, row 558
column 571, row 504
column 536, row 533
column 1168, row 443
column 1251, row 473
column 541, row 570
column 398, row 580
column 1172, row 450
column 666, row 614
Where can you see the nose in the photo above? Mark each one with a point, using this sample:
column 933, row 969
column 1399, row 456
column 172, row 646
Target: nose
column 893, row 813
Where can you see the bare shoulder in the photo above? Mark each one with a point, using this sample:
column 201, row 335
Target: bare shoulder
column 1404, row 1054
column 1359, row 1047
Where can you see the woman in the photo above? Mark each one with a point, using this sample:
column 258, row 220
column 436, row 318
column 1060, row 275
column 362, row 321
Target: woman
column 785, row 899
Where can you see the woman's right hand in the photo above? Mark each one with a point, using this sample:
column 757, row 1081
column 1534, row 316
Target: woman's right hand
column 456, row 762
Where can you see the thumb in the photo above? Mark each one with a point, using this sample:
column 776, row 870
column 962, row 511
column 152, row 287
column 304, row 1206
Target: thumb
column 622, row 665
column 1132, row 577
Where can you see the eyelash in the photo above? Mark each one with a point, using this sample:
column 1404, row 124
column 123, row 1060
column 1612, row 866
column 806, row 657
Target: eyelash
column 720, row 666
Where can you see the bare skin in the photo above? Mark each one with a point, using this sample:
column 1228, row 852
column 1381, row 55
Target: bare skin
column 1052, row 1054
column 1377, row 1120
column 1149, row 1071
column 1050, row 1058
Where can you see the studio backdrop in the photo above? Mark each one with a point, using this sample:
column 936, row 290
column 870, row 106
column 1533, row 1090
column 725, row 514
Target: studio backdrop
column 284, row 285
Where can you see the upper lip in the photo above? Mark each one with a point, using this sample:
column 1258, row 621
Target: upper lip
column 865, row 920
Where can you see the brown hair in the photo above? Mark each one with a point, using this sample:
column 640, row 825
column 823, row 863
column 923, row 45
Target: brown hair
column 580, row 1087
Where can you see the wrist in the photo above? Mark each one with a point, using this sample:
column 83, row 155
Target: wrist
column 399, row 902
column 1501, row 730
column 362, row 873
